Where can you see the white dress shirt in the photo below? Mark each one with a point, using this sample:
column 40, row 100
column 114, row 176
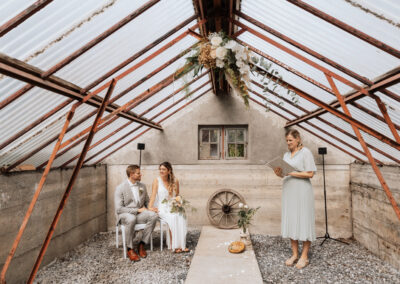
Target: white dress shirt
column 135, row 190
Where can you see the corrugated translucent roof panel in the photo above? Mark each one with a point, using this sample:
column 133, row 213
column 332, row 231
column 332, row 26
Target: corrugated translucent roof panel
column 74, row 24
column 327, row 39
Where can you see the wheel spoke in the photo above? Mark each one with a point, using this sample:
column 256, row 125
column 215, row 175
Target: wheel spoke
column 220, row 205
column 233, row 196
column 219, row 221
column 236, row 202
column 217, row 214
column 226, row 197
column 221, row 201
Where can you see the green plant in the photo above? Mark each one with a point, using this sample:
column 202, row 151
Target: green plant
column 245, row 215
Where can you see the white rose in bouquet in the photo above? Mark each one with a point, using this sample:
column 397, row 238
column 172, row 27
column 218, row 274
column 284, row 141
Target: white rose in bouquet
column 216, row 40
column 220, row 63
column 230, row 44
column 221, row 52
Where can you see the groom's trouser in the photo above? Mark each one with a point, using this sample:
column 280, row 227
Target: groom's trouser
column 130, row 220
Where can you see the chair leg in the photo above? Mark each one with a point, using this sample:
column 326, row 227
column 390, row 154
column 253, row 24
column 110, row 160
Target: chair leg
column 123, row 240
column 116, row 236
column 162, row 237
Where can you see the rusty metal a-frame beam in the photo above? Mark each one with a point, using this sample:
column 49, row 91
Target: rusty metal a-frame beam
column 143, row 132
column 100, row 79
column 309, row 131
column 306, row 50
column 383, row 83
column 351, row 30
column 325, row 88
column 22, row 16
column 170, row 79
column 70, row 185
column 199, row 8
column 361, row 90
column 103, row 125
column 334, row 111
column 39, row 187
column 365, row 148
column 120, row 128
column 27, row 73
column 327, row 123
column 82, row 50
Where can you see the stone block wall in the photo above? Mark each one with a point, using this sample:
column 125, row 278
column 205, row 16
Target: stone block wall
column 375, row 224
column 83, row 216
column 259, row 187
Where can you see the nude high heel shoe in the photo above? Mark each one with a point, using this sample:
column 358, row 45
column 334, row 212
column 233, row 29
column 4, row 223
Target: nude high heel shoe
column 302, row 263
column 291, row 261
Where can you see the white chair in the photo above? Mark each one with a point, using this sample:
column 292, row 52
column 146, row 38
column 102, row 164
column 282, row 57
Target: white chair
column 137, row 228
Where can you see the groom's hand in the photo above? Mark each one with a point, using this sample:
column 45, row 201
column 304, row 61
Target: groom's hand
column 154, row 209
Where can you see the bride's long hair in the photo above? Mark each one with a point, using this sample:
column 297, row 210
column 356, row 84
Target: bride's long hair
column 171, row 177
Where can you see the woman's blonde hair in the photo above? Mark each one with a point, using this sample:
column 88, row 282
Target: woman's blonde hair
column 295, row 134
column 171, row 177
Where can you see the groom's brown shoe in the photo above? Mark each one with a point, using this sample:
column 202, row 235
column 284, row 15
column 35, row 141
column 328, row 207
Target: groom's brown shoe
column 133, row 255
column 142, row 251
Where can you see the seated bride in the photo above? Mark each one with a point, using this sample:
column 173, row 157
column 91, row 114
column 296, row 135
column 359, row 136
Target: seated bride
column 164, row 189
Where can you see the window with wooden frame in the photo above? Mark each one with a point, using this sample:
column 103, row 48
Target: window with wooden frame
column 222, row 142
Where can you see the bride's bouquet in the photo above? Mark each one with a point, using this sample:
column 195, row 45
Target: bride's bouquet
column 178, row 205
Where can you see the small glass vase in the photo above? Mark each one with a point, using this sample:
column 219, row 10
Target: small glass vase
column 245, row 238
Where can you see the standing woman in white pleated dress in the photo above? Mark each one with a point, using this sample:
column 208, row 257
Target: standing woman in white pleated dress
column 298, row 218
column 166, row 186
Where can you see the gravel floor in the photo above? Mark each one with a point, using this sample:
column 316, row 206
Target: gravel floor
column 98, row 261
column 333, row 262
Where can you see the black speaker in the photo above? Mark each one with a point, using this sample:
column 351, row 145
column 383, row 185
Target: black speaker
column 140, row 146
column 322, row 150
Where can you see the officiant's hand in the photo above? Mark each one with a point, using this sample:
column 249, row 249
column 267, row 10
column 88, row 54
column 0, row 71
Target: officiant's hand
column 278, row 172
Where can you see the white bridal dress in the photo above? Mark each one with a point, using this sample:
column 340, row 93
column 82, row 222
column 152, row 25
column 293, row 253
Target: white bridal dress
column 176, row 221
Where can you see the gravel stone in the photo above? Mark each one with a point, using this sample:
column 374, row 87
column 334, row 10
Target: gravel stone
column 333, row 262
column 99, row 261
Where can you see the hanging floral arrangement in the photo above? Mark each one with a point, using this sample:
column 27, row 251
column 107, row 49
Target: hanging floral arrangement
column 234, row 61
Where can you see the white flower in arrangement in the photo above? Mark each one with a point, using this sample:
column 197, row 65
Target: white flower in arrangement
column 221, row 52
column 216, row 40
column 240, row 205
column 244, row 69
column 220, row 63
column 240, row 63
column 246, row 207
column 230, row 44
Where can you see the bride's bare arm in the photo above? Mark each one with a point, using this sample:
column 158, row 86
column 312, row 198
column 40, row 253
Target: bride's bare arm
column 153, row 193
column 177, row 187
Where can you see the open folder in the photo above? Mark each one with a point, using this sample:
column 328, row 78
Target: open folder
column 278, row 162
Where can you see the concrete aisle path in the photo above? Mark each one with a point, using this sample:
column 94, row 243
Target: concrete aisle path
column 214, row 264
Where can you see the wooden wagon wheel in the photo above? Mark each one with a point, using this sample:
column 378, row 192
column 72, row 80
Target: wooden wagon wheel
column 222, row 208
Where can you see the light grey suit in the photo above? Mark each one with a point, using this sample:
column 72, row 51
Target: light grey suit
column 126, row 208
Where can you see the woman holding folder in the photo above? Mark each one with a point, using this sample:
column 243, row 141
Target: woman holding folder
column 298, row 220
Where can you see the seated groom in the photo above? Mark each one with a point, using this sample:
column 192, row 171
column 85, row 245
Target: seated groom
column 131, row 200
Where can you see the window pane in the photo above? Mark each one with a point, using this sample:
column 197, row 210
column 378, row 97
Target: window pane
column 240, row 150
column 231, row 150
column 214, row 135
column 214, row 150
column 231, row 135
column 204, row 151
column 205, row 135
column 240, row 135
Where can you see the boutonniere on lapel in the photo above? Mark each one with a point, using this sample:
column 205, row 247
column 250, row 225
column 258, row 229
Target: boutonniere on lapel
column 140, row 190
